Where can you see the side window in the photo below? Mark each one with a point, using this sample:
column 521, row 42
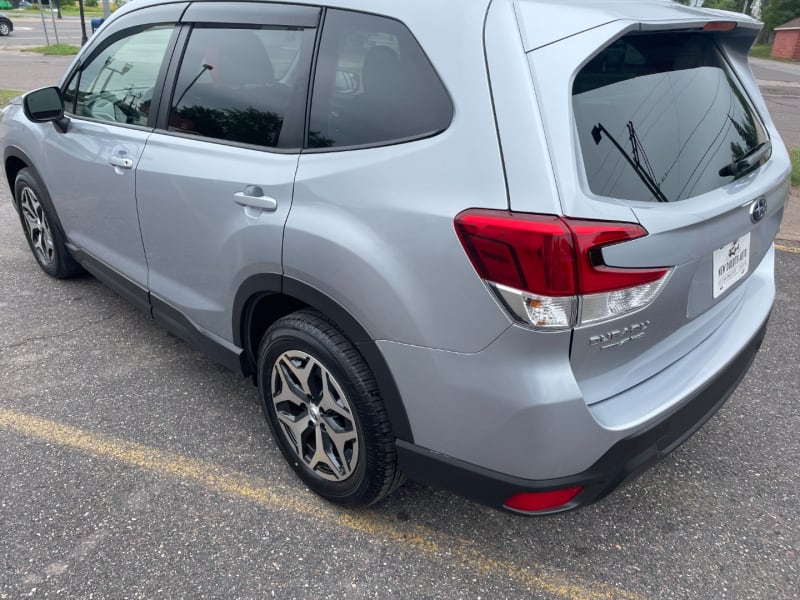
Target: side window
column 373, row 85
column 117, row 84
column 238, row 84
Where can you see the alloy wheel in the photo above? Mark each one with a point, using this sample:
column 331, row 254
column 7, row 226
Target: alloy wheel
column 314, row 415
column 37, row 226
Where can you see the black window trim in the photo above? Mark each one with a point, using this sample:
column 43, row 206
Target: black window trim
column 166, row 81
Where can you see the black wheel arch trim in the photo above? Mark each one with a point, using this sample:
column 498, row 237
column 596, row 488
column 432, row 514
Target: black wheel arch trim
column 257, row 287
column 18, row 153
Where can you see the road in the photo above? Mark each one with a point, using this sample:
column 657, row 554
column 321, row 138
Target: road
column 28, row 30
column 780, row 85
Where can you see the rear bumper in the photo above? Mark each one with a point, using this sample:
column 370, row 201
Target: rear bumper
column 621, row 463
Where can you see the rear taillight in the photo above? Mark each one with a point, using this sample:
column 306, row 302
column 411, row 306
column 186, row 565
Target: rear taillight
column 549, row 270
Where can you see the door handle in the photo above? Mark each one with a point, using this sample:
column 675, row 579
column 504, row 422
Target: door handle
column 120, row 162
column 253, row 197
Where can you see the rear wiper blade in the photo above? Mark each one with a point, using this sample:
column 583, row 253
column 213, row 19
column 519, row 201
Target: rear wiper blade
column 747, row 160
column 646, row 175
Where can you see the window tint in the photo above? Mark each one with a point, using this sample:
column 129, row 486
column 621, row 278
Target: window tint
column 117, row 85
column 660, row 116
column 373, row 85
column 237, row 85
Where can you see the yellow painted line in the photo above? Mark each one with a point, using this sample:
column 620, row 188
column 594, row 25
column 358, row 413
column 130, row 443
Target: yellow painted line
column 452, row 550
column 784, row 248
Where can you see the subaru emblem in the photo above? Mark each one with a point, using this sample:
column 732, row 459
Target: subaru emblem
column 758, row 209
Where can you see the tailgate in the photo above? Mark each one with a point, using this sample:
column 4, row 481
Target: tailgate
column 653, row 116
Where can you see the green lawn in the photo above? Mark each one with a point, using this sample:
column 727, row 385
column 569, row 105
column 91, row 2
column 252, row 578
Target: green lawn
column 54, row 50
column 763, row 51
column 795, row 154
column 6, row 95
column 88, row 11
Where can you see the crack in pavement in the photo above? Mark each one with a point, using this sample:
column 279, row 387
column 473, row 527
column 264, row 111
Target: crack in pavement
column 41, row 338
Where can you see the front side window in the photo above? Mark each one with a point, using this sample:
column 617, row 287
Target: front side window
column 660, row 117
column 238, row 84
column 117, row 84
column 373, row 85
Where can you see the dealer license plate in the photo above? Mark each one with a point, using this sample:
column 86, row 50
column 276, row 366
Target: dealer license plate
column 731, row 263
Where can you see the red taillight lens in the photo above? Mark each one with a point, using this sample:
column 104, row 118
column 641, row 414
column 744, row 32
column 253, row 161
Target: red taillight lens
column 539, row 501
column 532, row 253
column 548, row 255
column 595, row 277
column 541, row 266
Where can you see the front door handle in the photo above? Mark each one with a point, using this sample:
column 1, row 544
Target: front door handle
column 253, row 197
column 120, row 162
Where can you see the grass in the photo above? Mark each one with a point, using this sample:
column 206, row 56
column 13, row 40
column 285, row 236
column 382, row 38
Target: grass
column 795, row 154
column 72, row 11
column 763, row 51
column 6, row 95
column 54, row 50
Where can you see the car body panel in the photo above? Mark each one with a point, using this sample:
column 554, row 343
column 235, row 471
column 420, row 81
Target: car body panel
column 201, row 244
column 98, row 208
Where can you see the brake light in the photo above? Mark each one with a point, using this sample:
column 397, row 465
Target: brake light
column 542, row 265
column 539, row 501
column 720, row 26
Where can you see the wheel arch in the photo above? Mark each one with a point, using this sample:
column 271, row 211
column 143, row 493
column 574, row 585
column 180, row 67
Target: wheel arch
column 263, row 299
column 14, row 161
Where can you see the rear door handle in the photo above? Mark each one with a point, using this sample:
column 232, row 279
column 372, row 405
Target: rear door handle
column 120, row 162
column 253, row 197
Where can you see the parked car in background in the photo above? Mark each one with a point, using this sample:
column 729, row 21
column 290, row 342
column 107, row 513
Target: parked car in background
column 520, row 250
column 6, row 26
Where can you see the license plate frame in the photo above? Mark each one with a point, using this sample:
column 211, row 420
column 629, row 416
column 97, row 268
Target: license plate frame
column 731, row 263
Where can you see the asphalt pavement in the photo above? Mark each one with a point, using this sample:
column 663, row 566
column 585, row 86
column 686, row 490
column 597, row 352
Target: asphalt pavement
column 133, row 467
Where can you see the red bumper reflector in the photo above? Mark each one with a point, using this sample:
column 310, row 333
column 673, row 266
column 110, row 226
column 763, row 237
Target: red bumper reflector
column 538, row 501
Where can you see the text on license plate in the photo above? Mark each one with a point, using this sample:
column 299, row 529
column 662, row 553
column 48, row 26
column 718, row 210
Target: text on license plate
column 731, row 263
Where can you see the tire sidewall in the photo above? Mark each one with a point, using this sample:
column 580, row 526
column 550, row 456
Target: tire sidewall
column 285, row 338
column 59, row 267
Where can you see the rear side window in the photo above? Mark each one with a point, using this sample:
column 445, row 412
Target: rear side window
column 238, row 84
column 660, row 117
column 373, row 85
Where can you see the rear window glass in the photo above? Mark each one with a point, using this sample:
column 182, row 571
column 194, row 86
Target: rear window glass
column 660, row 117
column 373, row 85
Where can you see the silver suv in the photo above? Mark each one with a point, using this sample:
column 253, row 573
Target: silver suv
column 516, row 249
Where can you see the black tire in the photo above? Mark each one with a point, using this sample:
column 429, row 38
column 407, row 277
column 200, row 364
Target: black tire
column 304, row 345
column 42, row 230
column 4, row 28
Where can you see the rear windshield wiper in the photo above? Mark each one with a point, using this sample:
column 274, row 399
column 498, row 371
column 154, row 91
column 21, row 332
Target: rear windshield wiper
column 645, row 174
column 747, row 161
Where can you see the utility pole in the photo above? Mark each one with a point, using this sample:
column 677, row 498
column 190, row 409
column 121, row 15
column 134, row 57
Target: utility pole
column 106, row 9
column 84, row 37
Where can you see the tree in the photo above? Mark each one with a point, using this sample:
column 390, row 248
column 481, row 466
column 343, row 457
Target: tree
column 777, row 12
column 734, row 5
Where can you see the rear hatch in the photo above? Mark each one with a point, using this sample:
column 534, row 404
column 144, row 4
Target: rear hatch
column 653, row 117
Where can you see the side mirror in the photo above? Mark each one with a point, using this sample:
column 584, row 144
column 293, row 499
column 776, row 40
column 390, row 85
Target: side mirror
column 45, row 105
